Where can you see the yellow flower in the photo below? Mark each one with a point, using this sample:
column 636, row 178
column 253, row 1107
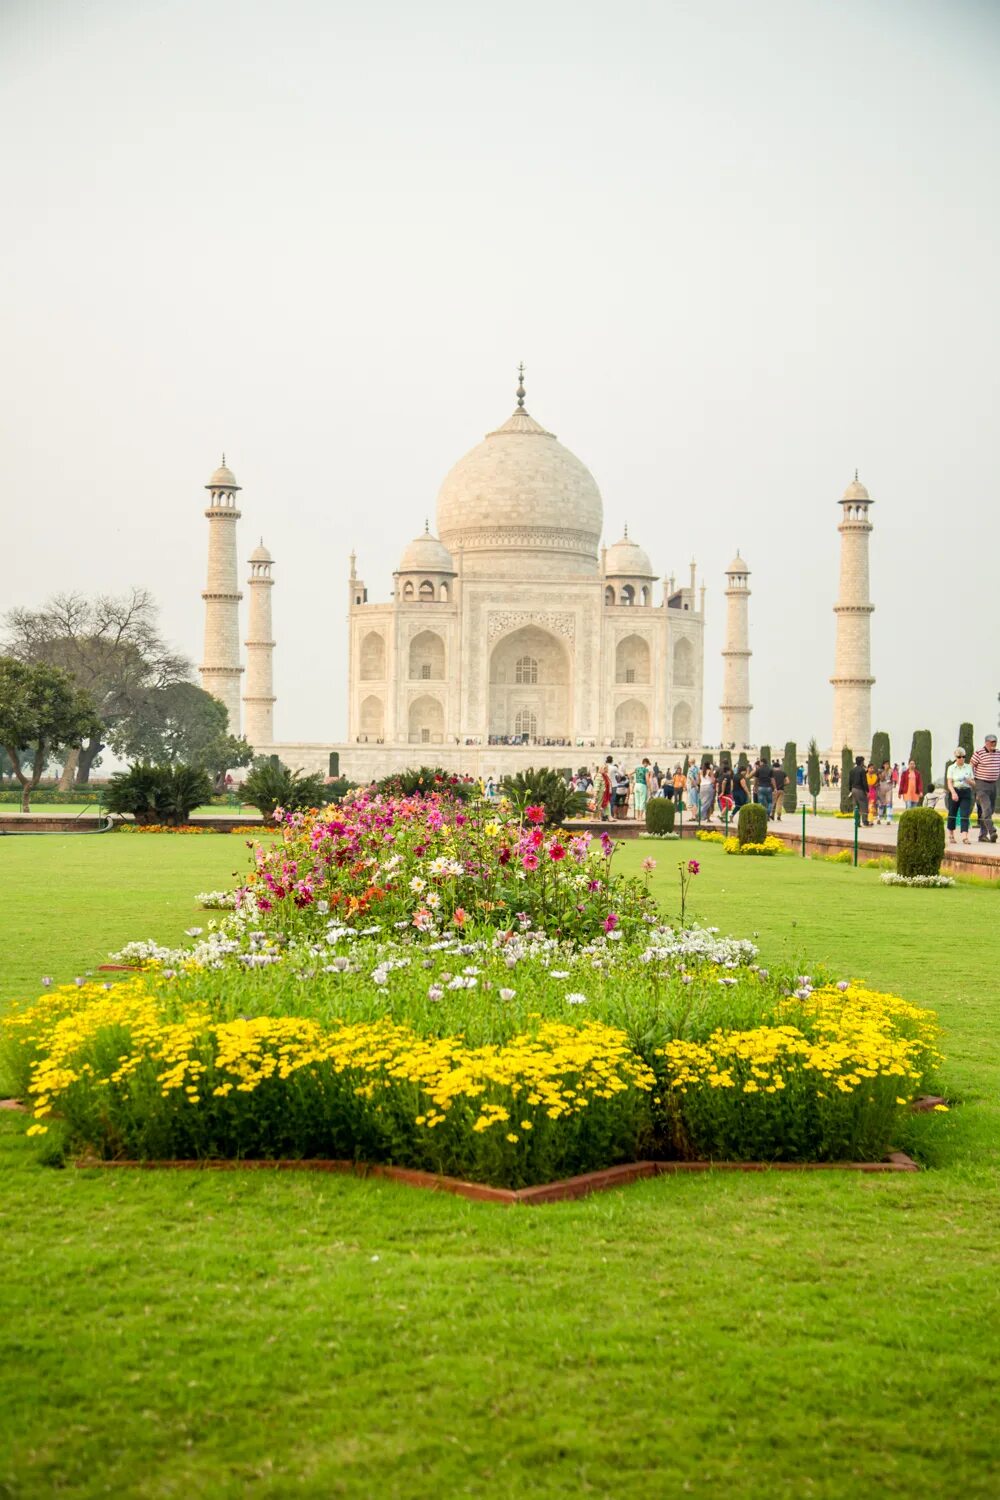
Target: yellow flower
column 513, row 1138
column 526, row 1125
column 37, row 1130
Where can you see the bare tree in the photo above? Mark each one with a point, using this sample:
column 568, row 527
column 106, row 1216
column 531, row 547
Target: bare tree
column 112, row 648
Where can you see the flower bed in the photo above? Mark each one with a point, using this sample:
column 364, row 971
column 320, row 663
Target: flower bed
column 391, row 989
column 771, row 845
column 935, row 882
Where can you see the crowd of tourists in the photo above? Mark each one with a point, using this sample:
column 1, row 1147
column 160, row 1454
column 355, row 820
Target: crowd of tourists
column 705, row 792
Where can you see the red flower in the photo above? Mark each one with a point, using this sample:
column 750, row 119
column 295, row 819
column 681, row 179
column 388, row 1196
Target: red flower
column 693, row 867
column 610, row 922
column 557, row 852
column 504, row 855
column 535, row 814
column 460, row 918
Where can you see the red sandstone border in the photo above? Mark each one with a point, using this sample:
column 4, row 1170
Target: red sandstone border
column 547, row 1192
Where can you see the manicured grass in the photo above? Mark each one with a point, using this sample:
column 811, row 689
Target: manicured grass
column 819, row 1335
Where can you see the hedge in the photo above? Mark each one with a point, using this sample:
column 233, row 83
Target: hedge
column 920, row 842
column 790, row 768
column 846, row 766
column 751, row 825
column 660, row 815
column 920, row 751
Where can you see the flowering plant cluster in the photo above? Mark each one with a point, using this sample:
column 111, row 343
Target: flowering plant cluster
column 253, row 830
column 771, row 845
column 425, row 862
column 891, row 878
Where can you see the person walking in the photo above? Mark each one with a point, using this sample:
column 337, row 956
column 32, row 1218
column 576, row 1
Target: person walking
column 857, row 786
column 640, row 784
column 603, row 798
column 911, row 785
column 986, row 769
column 763, row 785
column 960, row 781
column 778, row 778
column 741, row 788
column 706, row 792
column 883, row 794
column 677, row 783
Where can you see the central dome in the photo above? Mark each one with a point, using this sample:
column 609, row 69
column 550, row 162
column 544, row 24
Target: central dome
column 518, row 502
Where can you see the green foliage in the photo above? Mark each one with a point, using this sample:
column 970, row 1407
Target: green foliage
column 158, row 794
column 765, row 753
column 920, row 842
column 424, row 781
column 706, row 760
column 660, row 813
column 687, row 764
column 548, row 789
column 880, row 749
column 790, row 766
column 920, row 751
column 846, row 766
column 180, row 723
column 814, row 771
column 743, row 763
column 751, row 824
column 966, row 739
column 725, row 760
column 41, row 711
column 269, row 786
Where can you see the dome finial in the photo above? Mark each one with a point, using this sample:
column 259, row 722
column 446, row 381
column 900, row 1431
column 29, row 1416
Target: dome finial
column 626, row 531
column 223, row 460
column 520, row 386
column 427, row 526
column 855, row 476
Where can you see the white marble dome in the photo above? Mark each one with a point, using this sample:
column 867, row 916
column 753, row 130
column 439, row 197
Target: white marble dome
column 738, row 565
column 856, row 491
column 626, row 559
column 222, row 479
column 520, row 498
column 260, row 554
column 426, row 554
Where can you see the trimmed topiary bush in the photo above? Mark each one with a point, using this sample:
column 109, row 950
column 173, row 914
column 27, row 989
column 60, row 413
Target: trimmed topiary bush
column 920, row 842
column 880, row 749
column 814, row 773
column 743, row 763
column 846, row 764
column 920, row 751
column 790, row 766
column 765, row 753
column 660, row 815
column 967, row 741
column 751, row 825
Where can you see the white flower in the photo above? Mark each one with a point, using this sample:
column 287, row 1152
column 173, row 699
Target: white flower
column 576, row 999
column 507, row 994
column 193, row 931
column 417, row 885
column 435, row 992
column 559, row 973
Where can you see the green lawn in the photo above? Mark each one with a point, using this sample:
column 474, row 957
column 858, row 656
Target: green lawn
column 779, row 1335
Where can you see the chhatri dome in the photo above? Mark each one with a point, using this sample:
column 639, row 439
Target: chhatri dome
column 426, row 554
column 518, row 494
column 626, row 559
column 223, row 478
column 856, row 491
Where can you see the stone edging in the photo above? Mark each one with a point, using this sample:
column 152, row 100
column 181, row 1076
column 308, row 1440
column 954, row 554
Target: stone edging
column 548, row 1192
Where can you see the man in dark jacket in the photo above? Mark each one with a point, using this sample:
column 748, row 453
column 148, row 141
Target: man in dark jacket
column 857, row 785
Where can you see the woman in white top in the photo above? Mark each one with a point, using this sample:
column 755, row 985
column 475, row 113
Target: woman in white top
column 960, row 781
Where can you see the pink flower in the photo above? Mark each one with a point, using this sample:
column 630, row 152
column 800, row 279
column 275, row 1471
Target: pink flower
column 649, row 865
column 460, row 918
column 530, row 861
column 557, row 852
column 606, row 845
column 610, row 922
column 535, row 814
column 693, row 867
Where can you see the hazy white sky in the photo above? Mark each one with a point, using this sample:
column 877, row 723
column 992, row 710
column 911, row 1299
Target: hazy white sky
column 741, row 247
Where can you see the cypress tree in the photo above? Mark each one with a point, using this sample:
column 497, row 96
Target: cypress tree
column 687, row 764
column 920, row 751
column 790, row 766
column 846, row 766
column 725, row 760
column 814, row 772
column 967, row 741
column 880, row 749
column 765, row 753
column 743, row 764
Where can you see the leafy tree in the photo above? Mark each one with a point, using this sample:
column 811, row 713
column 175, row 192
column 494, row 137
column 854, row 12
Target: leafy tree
column 112, row 649
column 967, row 741
column 790, row 766
column 880, row 749
column 42, row 712
column 158, row 794
column 545, row 788
column 814, row 772
column 181, row 723
column 920, row 751
column 269, row 786
column 846, row 766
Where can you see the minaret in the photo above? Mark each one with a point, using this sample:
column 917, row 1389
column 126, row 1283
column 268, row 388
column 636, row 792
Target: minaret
column 220, row 669
column 259, row 696
column 852, row 672
column 736, row 703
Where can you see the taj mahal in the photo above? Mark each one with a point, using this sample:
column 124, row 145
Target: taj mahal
column 513, row 635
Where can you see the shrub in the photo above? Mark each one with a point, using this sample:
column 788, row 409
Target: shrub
column 158, row 794
column 660, row 815
column 880, row 749
column 967, row 741
column 814, row 774
column 546, row 788
column 765, row 753
column 751, row 825
column 426, row 781
column 920, row 842
column 269, row 786
column 846, row 763
column 790, row 766
column 920, row 751
column 743, row 763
